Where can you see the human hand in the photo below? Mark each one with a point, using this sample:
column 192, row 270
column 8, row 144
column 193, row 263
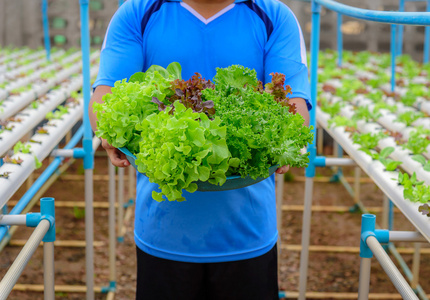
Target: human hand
column 117, row 158
column 282, row 170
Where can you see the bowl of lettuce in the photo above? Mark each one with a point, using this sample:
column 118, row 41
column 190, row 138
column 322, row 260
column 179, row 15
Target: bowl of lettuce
column 197, row 135
column 232, row 182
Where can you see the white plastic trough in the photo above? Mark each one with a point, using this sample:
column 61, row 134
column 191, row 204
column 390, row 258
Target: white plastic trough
column 15, row 103
column 23, row 81
column 386, row 181
column 30, row 117
column 57, row 129
column 38, row 57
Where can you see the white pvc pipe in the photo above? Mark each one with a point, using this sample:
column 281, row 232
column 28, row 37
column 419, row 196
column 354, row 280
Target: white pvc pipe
column 18, row 173
column 364, row 278
column 333, row 161
column 9, row 280
column 12, row 220
column 89, row 233
column 416, row 261
column 13, row 104
column 48, row 271
column 306, row 231
column 388, row 120
column 406, row 236
column 386, row 181
column 31, row 117
column 16, row 64
column 96, row 143
column 279, row 201
column 62, row 152
column 23, row 81
column 112, row 236
column 120, row 200
column 390, row 268
column 14, row 55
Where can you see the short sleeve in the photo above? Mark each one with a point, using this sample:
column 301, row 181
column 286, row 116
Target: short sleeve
column 285, row 52
column 122, row 52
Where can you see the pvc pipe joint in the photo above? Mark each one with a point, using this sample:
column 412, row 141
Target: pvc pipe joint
column 315, row 7
column 110, row 288
column 89, row 154
column 47, row 209
column 320, row 161
column 382, row 235
column 78, row 153
column 310, row 169
column 368, row 222
column 47, row 212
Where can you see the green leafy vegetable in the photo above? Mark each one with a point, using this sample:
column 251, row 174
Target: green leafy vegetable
column 187, row 131
column 177, row 150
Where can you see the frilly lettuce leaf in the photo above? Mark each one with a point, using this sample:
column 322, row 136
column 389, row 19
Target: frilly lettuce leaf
column 178, row 149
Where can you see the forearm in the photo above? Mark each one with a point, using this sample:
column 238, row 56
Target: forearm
column 98, row 94
column 302, row 109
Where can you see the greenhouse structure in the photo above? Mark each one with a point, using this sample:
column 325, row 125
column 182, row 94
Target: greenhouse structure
column 354, row 223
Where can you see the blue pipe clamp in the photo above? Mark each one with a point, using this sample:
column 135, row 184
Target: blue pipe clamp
column 47, row 212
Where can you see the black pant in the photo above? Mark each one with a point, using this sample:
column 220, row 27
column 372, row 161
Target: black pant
column 162, row 279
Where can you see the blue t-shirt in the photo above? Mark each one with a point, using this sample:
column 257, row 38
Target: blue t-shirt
column 263, row 35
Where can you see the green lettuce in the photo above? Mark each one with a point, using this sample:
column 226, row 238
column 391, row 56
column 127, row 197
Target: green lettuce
column 128, row 105
column 178, row 149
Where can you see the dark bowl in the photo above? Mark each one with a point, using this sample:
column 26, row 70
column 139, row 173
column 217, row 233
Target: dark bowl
column 232, row 182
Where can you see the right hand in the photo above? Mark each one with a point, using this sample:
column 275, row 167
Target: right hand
column 117, row 158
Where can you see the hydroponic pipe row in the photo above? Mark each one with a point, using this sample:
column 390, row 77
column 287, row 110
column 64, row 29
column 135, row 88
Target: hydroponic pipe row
column 399, row 154
column 386, row 181
column 41, row 145
column 25, row 80
column 14, row 55
column 29, row 118
column 15, row 103
column 22, row 64
column 28, row 65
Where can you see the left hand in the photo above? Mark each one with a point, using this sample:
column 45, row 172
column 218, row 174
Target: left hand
column 282, row 170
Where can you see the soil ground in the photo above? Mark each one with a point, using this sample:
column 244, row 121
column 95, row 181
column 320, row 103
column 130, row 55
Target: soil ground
column 328, row 271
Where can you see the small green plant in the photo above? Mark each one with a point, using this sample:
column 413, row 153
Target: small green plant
column 79, row 213
column 408, row 99
column 390, row 164
column 423, row 161
column 415, row 191
column 383, row 105
column 418, row 141
column 365, row 114
column 408, row 182
column 34, row 104
column 376, row 96
column 58, row 114
column 339, row 121
column 419, row 193
column 408, row 117
column 368, row 140
column 332, row 109
column 5, row 175
column 20, row 147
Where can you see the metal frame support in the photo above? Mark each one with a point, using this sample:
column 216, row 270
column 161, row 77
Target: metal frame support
column 88, row 149
column 310, row 170
column 339, row 39
column 427, row 39
column 46, row 37
column 44, row 222
column 393, row 56
column 370, row 244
